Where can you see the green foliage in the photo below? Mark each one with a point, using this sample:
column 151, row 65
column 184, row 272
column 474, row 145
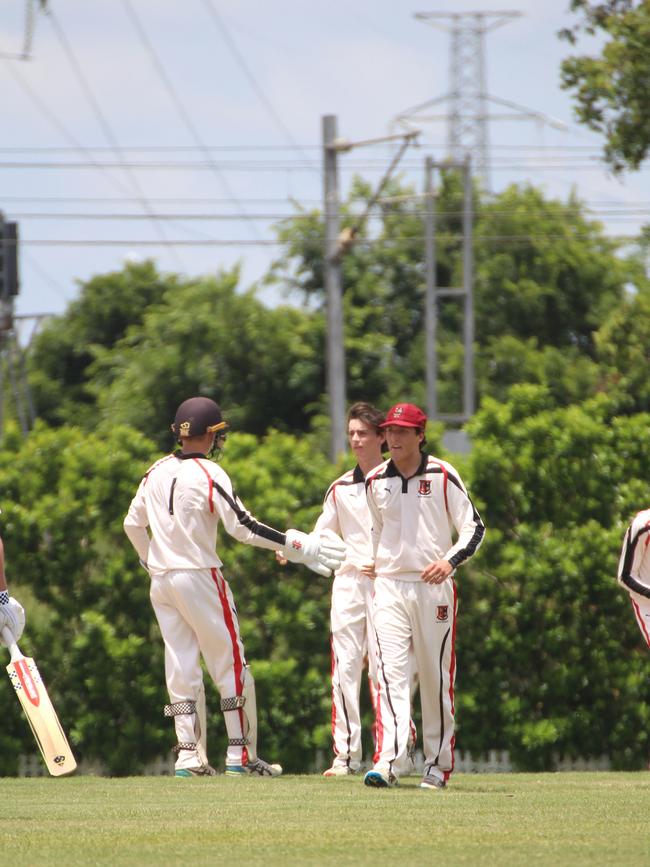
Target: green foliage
column 611, row 88
column 550, row 657
column 63, row 352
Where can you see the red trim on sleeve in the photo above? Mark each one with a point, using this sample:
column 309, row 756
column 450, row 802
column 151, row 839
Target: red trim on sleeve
column 445, row 476
column 210, row 482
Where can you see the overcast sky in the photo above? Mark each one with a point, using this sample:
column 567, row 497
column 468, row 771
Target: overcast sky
column 223, row 100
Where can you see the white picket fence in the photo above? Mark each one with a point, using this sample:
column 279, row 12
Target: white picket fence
column 495, row 762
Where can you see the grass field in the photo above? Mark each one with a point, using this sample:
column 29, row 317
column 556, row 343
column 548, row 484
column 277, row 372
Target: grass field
column 569, row 818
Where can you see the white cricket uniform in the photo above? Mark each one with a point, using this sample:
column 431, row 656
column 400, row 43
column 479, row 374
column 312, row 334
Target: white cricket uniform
column 412, row 521
column 345, row 511
column 181, row 499
column 634, row 570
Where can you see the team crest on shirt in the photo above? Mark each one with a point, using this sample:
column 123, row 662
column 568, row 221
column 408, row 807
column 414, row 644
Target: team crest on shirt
column 425, row 488
column 442, row 615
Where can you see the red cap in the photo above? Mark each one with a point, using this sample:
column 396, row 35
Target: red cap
column 405, row 415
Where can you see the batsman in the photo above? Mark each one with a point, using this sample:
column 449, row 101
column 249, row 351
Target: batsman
column 172, row 524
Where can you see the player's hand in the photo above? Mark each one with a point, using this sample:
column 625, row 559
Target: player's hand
column 368, row 569
column 12, row 615
column 437, row 572
column 322, row 552
column 282, row 560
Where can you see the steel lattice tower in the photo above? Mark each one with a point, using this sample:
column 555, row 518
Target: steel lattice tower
column 468, row 99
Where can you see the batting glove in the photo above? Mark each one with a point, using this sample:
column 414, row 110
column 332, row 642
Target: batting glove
column 321, row 552
column 12, row 615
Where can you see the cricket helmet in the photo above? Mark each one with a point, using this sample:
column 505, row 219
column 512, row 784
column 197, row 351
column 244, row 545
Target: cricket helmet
column 197, row 416
column 405, row 415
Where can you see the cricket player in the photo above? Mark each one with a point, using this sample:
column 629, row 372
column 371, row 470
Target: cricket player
column 415, row 500
column 345, row 512
column 12, row 614
column 634, row 570
column 172, row 524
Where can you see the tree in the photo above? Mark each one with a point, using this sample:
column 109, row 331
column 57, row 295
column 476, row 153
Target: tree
column 611, row 89
column 136, row 343
column 62, row 353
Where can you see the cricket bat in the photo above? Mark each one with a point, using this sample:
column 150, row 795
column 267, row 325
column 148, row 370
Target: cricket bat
column 50, row 737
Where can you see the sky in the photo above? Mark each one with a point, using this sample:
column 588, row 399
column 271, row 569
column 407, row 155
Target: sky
column 182, row 131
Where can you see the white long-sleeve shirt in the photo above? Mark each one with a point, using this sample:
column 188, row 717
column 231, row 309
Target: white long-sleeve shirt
column 412, row 519
column 181, row 499
column 345, row 512
column 634, row 563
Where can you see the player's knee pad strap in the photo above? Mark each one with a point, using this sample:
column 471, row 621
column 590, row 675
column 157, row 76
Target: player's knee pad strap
column 180, row 707
column 233, row 703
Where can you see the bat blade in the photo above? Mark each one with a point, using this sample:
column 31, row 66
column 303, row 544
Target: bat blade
column 50, row 737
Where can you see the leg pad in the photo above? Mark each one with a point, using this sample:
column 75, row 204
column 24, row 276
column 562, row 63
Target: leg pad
column 233, row 703
column 180, row 707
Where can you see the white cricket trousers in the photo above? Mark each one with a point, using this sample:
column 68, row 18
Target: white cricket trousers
column 352, row 639
column 197, row 617
column 641, row 606
column 422, row 617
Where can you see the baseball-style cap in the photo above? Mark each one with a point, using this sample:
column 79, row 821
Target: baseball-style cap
column 405, row 415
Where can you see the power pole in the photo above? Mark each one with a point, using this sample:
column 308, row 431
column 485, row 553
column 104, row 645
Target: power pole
column 12, row 358
column 433, row 292
column 333, row 289
column 337, row 243
column 467, row 117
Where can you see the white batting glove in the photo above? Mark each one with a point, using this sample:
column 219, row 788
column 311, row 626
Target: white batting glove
column 12, row 615
column 321, row 552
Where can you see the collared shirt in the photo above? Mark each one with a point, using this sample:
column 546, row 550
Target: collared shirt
column 412, row 519
column 634, row 563
column 182, row 498
column 345, row 511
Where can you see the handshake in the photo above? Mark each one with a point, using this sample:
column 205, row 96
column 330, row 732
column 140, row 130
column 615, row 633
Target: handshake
column 323, row 552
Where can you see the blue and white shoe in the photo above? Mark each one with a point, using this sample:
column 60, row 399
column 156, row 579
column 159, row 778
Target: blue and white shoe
column 254, row 768
column 380, row 779
column 196, row 771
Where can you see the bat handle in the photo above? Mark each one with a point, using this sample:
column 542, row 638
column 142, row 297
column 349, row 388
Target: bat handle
column 10, row 641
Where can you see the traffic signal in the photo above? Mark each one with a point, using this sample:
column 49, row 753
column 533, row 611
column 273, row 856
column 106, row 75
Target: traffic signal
column 9, row 284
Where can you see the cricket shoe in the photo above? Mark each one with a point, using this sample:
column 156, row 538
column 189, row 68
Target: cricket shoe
column 197, row 771
column 380, row 779
column 254, row 768
column 431, row 781
column 339, row 771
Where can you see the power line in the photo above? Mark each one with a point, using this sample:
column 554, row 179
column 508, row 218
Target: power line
column 177, row 101
column 102, row 120
column 239, row 57
column 273, row 242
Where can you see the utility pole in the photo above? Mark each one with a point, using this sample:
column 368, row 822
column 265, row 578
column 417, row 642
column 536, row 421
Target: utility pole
column 12, row 359
column 468, row 115
column 337, row 243
column 333, row 289
column 433, row 292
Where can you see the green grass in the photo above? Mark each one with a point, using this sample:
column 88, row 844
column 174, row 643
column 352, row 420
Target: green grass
column 518, row 819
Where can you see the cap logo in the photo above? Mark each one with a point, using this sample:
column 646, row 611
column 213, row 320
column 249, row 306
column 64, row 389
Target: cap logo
column 397, row 412
column 184, row 427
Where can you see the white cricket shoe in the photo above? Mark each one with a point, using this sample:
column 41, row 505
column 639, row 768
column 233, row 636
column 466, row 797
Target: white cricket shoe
column 431, row 781
column 339, row 771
